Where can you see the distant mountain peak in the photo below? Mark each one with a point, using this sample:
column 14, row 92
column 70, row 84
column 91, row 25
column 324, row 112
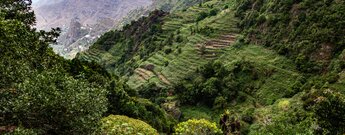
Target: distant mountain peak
column 95, row 16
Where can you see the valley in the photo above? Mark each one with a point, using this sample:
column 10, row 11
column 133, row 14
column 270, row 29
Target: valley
column 177, row 67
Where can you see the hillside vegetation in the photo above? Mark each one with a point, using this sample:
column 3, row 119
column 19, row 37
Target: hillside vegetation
column 211, row 67
column 265, row 62
column 42, row 93
column 311, row 32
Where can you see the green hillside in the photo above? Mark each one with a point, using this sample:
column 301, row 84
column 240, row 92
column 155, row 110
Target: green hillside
column 258, row 60
column 204, row 67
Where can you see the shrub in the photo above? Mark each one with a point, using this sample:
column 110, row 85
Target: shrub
column 179, row 39
column 168, row 51
column 199, row 127
column 202, row 16
column 179, row 50
column 213, row 12
column 220, row 102
column 166, row 63
column 123, row 125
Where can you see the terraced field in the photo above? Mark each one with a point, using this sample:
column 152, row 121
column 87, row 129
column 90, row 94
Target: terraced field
column 198, row 49
column 213, row 48
column 97, row 56
column 284, row 73
column 195, row 48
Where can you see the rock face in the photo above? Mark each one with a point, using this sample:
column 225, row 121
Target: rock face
column 82, row 21
column 74, row 32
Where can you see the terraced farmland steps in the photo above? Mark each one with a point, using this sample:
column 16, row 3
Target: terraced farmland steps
column 211, row 48
column 143, row 73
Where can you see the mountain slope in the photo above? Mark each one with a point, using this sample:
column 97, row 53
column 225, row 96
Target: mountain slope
column 313, row 34
column 95, row 18
column 257, row 61
column 89, row 12
column 222, row 66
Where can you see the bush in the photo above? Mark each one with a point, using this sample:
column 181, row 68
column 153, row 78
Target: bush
column 213, row 12
column 220, row 102
column 179, row 39
column 202, row 16
column 168, row 51
column 123, row 125
column 166, row 63
column 199, row 127
column 179, row 50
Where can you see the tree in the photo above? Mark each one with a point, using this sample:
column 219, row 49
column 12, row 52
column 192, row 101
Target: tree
column 202, row 16
column 121, row 103
column 55, row 104
column 19, row 10
column 230, row 124
column 36, row 91
column 198, row 127
column 117, row 124
column 329, row 108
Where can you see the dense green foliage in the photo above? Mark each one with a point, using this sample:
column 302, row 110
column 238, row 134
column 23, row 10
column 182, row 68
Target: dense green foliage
column 22, row 131
column 215, row 87
column 122, row 103
column 116, row 124
column 328, row 106
column 56, row 103
column 283, row 73
column 199, row 127
column 265, row 88
column 310, row 31
column 312, row 34
column 36, row 90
